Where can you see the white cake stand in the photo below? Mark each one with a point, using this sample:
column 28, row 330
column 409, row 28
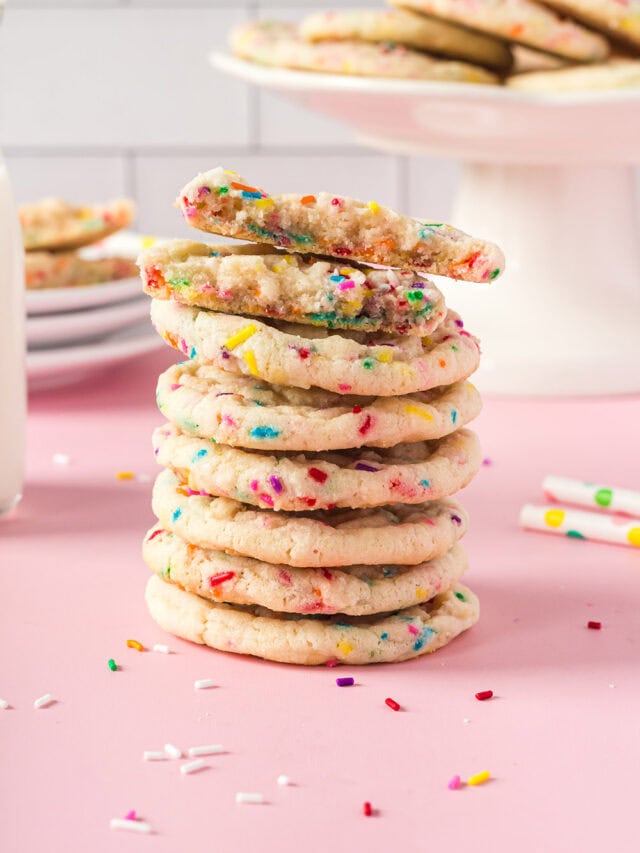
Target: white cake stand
column 548, row 177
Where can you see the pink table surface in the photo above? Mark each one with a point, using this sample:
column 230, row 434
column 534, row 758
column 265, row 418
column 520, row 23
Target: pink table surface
column 561, row 738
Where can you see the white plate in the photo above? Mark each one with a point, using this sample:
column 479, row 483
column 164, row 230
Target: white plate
column 74, row 327
column 54, row 368
column 57, row 299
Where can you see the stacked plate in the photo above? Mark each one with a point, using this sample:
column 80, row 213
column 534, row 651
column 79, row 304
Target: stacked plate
column 74, row 332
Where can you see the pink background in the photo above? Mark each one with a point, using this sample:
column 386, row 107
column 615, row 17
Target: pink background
column 560, row 738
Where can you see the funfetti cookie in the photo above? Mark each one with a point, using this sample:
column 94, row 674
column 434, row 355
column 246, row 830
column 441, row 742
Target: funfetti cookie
column 407, row 473
column 289, row 638
column 619, row 19
column 400, row 26
column 222, row 202
column 242, row 412
column 55, row 224
column 68, row 269
column 279, row 44
column 520, row 21
column 616, row 74
column 304, row 356
column 353, row 590
column 296, row 288
column 400, row 534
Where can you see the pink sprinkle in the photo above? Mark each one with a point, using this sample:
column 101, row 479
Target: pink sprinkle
column 413, row 629
column 486, row 461
column 229, row 421
column 175, row 386
column 284, row 577
column 332, row 662
column 203, row 191
column 254, row 485
column 267, row 499
column 190, row 210
column 346, row 285
column 130, row 815
column 344, row 388
column 454, row 783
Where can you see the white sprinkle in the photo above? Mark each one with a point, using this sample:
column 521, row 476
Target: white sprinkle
column 284, row 780
column 60, row 459
column 203, row 683
column 129, row 825
column 466, row 720
column 143, row 478
column 4, row 704
column 172, row 750
column 153, row 755
column 612, row 686
column 211, row 749
column 193, row 766
column 164, row 650
column 43, row 701
column 242, row 797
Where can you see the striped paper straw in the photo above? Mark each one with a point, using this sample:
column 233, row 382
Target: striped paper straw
column 577, row 524
column 611, row 498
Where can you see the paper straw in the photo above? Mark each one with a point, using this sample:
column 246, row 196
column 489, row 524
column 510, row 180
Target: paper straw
column 581, row 525
column 611, row 498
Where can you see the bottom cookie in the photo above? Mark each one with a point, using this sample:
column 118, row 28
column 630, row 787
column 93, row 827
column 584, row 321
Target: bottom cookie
column 288, row 638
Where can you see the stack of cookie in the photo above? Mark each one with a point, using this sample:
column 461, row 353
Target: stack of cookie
column 317, row 432
column 53, row 230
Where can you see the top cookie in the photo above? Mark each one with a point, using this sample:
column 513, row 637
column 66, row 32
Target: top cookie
column 221, row 202
column 404, row 27
column 619, row 19
column 55, row 224
column 296, row 288
column 279, row 44
column 520, row 21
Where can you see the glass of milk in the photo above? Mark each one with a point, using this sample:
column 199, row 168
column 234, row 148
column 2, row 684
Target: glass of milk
column 13, row 409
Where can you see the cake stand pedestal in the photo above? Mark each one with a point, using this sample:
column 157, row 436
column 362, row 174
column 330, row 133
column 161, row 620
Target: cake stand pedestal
column 550, row 178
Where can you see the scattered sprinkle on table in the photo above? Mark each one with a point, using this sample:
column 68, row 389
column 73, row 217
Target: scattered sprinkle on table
column 284, row 780
column 392, row 704
column 466, row 720
column 113, row 666
column 486, row 461
column 203, row 683
column 154, row 755
column 4, row 704
column 130, row 815
column 172, row 750
column 129, row 825
column 125, row 475
column 161, row 649
column 595, row 626
column 43, row 701
column 243, row 797
column 479, row 778
column 193, row 766
column 210, row 749
column 454, row 783
column 483, row 695
column 60, row 459
column 134, row 644
column 367, row 810
column 347, row 681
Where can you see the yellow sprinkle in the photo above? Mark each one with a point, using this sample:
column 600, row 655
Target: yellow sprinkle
column 250, row 358
column 348, row 271
column 288, row 259
column 421, row 593
column 421, row 413
column 277, row 268
column 479, row 778
column 240, row 336
column 125, row 475
column 265, row 202
column 344, row 647
column 147, row 241
column 385, row 356
column 634, row 536
column 554, row 517
column 373, row 206
column 230, row 172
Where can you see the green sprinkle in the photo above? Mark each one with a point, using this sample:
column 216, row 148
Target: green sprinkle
column 222, row 190
column 494, row 274
column 415, row 295
column 460, row 596
column 454, row 348
column 178, row 282
column 603, row 497
column 367, row 363
column 113, row 666
column 574, row 534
